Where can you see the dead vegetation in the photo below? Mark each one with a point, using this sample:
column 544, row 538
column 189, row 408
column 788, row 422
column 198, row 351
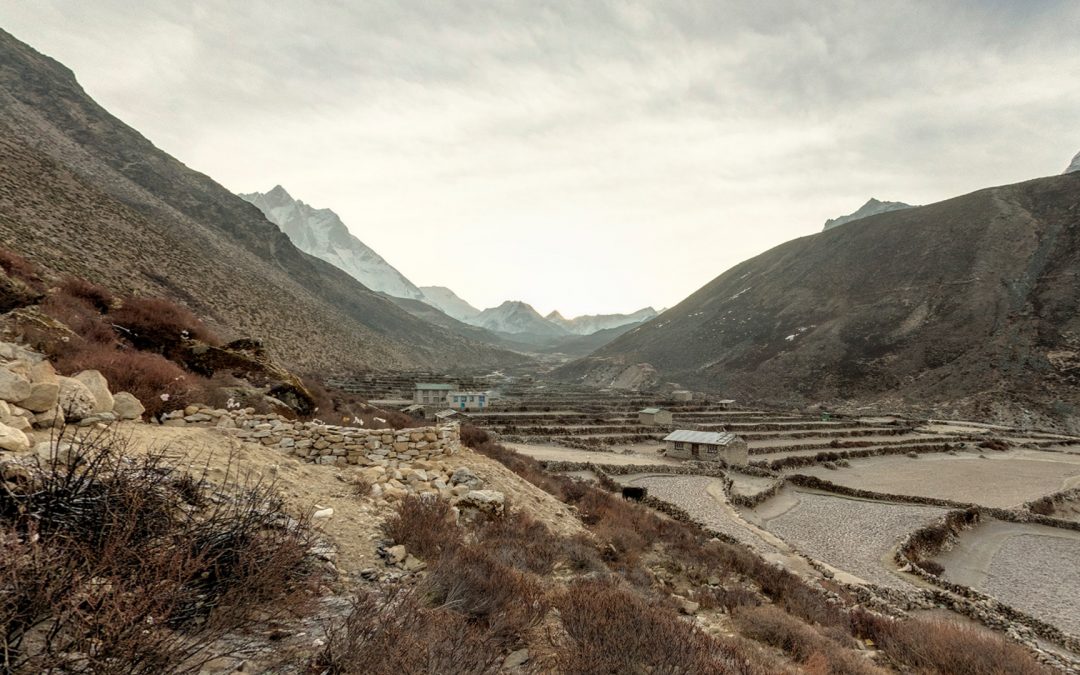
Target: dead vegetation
column 117, row 563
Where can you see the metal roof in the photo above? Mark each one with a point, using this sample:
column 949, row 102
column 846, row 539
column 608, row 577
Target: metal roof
column 445, row 413
column 706, row 437
column 426, row 385
column 650, row 411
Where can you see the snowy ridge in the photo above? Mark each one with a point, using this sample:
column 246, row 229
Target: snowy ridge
column 870, row 208
column 589, row 324
column 320, row 232
column 1075, row 166
column 448, row 302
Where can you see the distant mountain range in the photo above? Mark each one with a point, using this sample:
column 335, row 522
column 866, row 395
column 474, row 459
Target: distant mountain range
column 870, row 208
column 448, row 301
column 593, row 323
column 321, row 233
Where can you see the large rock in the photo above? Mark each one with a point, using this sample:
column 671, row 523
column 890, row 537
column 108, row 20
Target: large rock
column 13, row 440
column 44, row 388
column 75, row 399
column 464, row 476
column 52, row 418
column 127, row 407
column 14, row 387
column 488, row 501
column 99, row 387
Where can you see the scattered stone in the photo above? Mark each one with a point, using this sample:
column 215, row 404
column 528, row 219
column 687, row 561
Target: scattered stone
column 686, row 606
column 13, row 386
column 13, row 440
column 75, row 399
column 322, row 514
column 464, row 476
column 487, row 501
column 516, row 659
column 413, row 564
column 127, row 407
column 396, row 554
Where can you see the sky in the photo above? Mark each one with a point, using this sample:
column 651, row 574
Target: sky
column 590, row 156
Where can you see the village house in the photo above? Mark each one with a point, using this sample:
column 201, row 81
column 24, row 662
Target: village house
column 467, row 400
column 707, row 446
column 428, row 394
column 682, row 395
column 653, row 417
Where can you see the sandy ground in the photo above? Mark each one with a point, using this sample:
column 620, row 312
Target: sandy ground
column 1031, row 567
column 1003, row 479
column 749, row 485
column 852, row 535
column 354, row 527
column 548, row 453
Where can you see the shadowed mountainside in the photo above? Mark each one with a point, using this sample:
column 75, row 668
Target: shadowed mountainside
column 968, row 305
column 83, row 193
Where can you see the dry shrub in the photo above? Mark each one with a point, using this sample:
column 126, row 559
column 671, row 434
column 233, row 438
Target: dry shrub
column 471, row 581
column 931, row 567
column 98, row 297
column 82, row 318
column 940, row 646
column 518, row 540
column 399, row 634
column 423, row 525
column 1044, row 506
column 158, row 383
column 16, row 266
column 156, row 324
column 613, row 629
column 114, row 563
column 774, row 627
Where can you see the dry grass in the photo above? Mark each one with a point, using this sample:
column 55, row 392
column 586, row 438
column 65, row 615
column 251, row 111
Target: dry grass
column 806, row 645
column 424, row 526
column 156, row 324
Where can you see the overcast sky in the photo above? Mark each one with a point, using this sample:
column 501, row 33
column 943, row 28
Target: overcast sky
column 586, row 156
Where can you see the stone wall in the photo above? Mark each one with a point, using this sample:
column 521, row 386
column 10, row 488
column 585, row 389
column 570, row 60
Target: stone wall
column 325, row 443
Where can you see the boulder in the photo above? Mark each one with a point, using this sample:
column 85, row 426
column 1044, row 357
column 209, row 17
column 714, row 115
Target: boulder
column 75, row 399
column 488, row 501
column 396, row 554
column 127, row 407
column 464, row 476
column 99, row 388
column 14, row 387
column 50, row 419
column 18, row 422
column 13, row 440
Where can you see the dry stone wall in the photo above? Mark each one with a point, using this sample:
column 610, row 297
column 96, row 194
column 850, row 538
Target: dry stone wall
column 325, row 443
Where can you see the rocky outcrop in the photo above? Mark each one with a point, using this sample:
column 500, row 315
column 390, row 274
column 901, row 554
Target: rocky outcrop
column 248, row 359
column 76, row 400
column 98, row 387
column 127, row 407
column 870, row 208
column 1074, row 166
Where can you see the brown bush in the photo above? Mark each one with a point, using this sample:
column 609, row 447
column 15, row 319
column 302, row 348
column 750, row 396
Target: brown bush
column 613, row 629
column 518, row 540
column 940, row 646
column 98, row 297
column 774, row 627
column 423, row 526
column 1043, row 506
column 83, row 320
column 469, row 580
column 103, row 571
column 156, row 324
column 397, row 634
column 16, row 266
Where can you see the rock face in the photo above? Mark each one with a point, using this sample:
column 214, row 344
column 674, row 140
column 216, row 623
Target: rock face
column 321, row 233
column 514, row 317
column 98, row 387
column 970, row 302
column 1075, row 165
column 449, row 303
column 870, row 208
column 75, row 399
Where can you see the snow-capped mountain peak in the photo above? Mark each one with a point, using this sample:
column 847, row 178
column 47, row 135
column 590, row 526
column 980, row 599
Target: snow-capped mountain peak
column 514, row 316
column 1074, row 167
column 870, row 208
column 591, row 323
column 320, row 232
column 448, row 302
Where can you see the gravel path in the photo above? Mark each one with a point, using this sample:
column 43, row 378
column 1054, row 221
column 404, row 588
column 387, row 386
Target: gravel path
column 851, row 535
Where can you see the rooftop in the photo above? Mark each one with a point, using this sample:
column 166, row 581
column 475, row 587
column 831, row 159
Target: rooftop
column 650, row 411
column 428, row 385
column 706, row 437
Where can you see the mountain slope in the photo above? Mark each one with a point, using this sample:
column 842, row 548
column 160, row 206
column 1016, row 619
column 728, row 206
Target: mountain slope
column 967, row 305
column 870, row 208
column 448, row 302
column 592, row 323
column 82, row 193
column 321, row 233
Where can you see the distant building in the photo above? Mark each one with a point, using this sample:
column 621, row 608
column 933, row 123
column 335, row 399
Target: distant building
column 726, row 403
column 653, row 417
column 431, row 394
column 444, row 416
column 682, row 395
column 707, row 446
column 467, row 400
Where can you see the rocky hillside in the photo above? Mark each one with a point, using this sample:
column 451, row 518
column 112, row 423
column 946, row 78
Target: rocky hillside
column 968, row 305
column 321, row 233
column 870, row 208
column 82, row 193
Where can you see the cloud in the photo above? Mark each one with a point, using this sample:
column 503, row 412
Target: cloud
column 586, row 156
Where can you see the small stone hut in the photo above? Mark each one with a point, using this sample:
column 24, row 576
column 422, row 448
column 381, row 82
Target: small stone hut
column 682, row 395
column 653, row 417
column 707, row 446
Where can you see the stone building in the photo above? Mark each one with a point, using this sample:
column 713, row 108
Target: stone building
column 467, row 400
column 429, row 394
column 654, row 417
column 682, row 395
column 707, row 446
